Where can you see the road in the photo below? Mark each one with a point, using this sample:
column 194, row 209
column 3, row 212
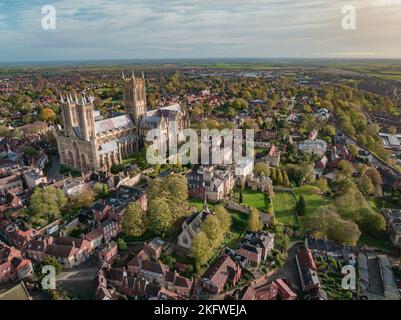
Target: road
column 84, row 274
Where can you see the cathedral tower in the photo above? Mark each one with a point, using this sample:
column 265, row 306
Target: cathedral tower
column 69, row 114
column 134, row 96
column 86, row 119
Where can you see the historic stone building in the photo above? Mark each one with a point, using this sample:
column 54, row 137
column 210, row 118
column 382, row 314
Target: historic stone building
column 87, row 144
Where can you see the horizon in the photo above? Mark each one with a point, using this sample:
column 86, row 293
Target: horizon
column 244, row 60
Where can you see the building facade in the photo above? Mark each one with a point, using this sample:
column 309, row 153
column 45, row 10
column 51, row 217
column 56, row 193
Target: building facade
column 86, row 143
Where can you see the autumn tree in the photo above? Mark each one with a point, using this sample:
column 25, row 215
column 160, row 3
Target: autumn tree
column 134, row 220
column 200, row 250
column 48, row 114
column 46, row 205
column 159, row 216
column 254, row 220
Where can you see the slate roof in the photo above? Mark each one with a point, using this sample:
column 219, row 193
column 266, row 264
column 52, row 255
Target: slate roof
column 111, row 124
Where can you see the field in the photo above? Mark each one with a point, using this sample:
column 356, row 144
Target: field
column 256, row 199
column 312, row 198
column 238, row 226
column 284, row 208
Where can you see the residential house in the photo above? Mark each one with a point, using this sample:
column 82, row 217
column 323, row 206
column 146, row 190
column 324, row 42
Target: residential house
column 71, row 252
column 313, row 147
column 109, row 253
column 224, row 271
column 36, row 248
column 34, row 178
column 273, row 157
column 307, row 270
column 13, row 265
column 393, row 219
column 255, row 247
column 95, row 237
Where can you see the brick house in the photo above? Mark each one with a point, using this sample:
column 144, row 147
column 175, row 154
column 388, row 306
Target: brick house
column 12, row 265
column 223, row 271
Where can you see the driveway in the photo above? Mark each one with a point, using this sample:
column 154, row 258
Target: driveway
column 289, row 270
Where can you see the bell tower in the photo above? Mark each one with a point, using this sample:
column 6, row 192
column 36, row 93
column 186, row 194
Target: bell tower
column 134, row 96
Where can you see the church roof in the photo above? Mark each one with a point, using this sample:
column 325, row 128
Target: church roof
column 108, row 147
column 111, row 124
column 153, row 117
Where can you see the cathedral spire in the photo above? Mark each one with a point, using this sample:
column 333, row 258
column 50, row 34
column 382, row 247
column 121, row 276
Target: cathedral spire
column 122, row 73
column 133, row 73
column 61, row 98
column 143, row 75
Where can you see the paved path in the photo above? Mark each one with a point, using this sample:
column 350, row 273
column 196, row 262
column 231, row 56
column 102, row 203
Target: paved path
column 84, row 274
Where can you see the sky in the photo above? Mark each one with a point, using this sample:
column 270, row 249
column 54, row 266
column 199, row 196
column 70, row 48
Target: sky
column 158, row 29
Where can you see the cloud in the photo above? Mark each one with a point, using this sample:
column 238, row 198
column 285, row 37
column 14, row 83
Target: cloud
column 104, row 29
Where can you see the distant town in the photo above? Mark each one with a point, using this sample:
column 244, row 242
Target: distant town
column 315, row 216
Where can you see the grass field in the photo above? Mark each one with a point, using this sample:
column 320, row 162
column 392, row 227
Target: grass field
column 238, row 226
column 312, row 198
column 256, row 199
column 284, row 208
column 198, row 204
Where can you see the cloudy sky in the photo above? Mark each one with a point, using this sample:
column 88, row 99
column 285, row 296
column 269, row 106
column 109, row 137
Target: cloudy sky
column 136, row 29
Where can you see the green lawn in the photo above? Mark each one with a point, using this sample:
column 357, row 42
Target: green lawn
column 238, row 226
column 312, row 198
column 256, row 199
column 284, row 208
column 198, row 204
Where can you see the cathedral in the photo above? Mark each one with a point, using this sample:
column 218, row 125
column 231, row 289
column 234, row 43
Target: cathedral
column 88, row 143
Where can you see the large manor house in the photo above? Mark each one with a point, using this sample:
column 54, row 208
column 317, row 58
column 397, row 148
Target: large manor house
column 89, row 143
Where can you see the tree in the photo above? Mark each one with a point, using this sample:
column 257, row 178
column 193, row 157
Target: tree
column 122, row 245
column 212, row 228
column 83, row 200
column 105, row 191
column 48, row 114
column 326, row 222
column 46, row 205
column 261, row 167
column 254, row 220
column 322, row 184
column 376, row 179
column 241, row 197
column 49, row 261
column 371, row 221
column 274, row 175
column 224, row 218
column 365, row 185
column 30, row 152
column 200, row 250
column 301, row 205
column 329, row 130
column 134, row 220
column 160, row 216
column 279, row 178
column 286, row 181
column 346, row 168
